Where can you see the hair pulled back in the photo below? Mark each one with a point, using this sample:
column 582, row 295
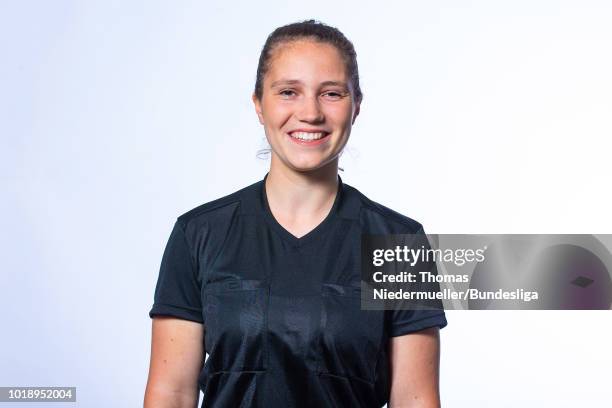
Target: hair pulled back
column 311, row 30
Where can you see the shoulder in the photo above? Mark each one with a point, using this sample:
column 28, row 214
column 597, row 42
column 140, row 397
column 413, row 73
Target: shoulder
column 220, row 210
column 379, row 219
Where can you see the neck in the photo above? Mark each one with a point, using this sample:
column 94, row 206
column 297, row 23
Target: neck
column 294, row 195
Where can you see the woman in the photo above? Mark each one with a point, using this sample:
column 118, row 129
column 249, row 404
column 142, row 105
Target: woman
column 265, row 279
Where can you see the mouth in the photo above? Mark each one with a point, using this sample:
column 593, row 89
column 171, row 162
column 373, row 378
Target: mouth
column 309, row 138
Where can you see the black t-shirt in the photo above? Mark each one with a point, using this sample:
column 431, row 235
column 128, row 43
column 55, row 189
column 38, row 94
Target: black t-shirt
column 282, row 315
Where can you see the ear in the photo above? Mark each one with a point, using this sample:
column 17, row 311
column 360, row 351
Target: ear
column 257, row 104
column 357, row 108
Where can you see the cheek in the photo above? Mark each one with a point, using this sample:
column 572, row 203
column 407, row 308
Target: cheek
column 339, row 113
column 276, row 112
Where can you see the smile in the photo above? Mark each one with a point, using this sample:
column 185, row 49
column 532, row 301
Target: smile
column 309, row 139
column 308, row 135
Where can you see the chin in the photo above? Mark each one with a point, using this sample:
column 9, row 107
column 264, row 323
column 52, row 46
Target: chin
column 307, row 166
column 304, row 162
column 304, row 168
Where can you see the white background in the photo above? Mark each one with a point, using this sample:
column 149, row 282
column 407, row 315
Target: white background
column 116, row 117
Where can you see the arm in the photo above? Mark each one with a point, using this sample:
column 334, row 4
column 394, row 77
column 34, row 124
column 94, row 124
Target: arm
column 415, row 361
column 177, row 355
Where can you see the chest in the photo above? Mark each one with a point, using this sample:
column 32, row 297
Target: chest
column 269, row 303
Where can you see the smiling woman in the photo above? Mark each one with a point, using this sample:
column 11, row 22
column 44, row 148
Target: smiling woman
column 305, row 100
column 266, row 280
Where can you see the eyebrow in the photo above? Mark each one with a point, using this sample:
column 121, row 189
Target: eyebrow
column 297, row 82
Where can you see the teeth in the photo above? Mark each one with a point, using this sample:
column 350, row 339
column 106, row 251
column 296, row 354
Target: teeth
column 307, row 135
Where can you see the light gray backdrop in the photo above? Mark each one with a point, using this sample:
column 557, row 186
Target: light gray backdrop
column 117, row 116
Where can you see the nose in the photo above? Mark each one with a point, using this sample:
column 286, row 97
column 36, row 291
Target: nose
column 310, row 110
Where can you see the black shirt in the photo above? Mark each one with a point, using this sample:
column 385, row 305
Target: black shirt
column 282, row 316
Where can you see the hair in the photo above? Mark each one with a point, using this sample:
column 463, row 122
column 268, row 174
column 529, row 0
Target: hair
column 309, row 30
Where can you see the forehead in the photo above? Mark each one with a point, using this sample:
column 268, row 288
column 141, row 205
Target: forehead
column 306, row 60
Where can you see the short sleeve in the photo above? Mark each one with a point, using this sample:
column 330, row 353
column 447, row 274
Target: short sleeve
column 177, row 292
column 412, row 320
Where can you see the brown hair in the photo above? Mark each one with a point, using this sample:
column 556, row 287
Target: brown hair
column 317, row 31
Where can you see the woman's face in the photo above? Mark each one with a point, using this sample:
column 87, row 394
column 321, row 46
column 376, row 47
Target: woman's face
column 307, row 105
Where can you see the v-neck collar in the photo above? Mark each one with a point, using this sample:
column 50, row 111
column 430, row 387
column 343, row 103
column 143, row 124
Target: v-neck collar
column 312, row 234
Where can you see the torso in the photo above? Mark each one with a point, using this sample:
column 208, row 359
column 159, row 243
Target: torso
column 282, row 316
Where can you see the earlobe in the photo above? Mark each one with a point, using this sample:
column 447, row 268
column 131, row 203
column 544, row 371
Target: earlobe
column 356, row 113
column 257, row 104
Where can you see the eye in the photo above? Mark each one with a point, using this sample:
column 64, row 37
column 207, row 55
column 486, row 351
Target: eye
column 333, row 95
column 286, row 93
